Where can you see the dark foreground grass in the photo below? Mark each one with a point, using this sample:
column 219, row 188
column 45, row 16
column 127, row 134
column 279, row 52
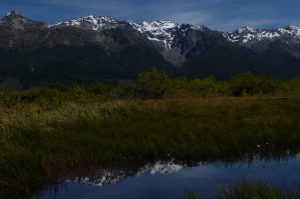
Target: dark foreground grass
column 250, row 190
column 37, row 144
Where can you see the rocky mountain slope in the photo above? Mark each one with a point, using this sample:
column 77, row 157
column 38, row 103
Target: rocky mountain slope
column 260, row 40
column 96, row 48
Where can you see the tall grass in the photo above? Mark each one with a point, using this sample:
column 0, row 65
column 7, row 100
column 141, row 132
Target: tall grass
column 36, row 141
column 250, row 190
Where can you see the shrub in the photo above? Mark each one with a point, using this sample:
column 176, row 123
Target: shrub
column 291, row 85
column 152, row 84
column 250, row 84
column 100, row 88
column 148, row 85
column 208, row 87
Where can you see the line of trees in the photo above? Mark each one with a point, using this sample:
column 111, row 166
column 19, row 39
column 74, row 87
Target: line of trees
column 155, row 84
column 150, row 85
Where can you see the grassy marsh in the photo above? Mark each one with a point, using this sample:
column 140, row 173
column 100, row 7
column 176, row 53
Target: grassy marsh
column 46, row 130
column 33, row 139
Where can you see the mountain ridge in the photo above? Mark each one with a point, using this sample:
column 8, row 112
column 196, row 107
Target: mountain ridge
column 161, row 28
column 94, row 48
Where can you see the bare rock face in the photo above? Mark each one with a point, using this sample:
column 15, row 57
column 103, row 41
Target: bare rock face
column 17, row 22
column 177, row 42
column 19, row 32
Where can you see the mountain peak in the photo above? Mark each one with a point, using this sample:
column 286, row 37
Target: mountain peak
column 17, row 21
column 194, row 27
column 246, row 29
column 90, row 22
column 160, row 24
column 161, row 31
column 292, row 27
column 12, row 14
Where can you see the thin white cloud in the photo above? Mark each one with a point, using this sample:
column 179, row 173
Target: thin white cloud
column 225, row 15
column 193, row 17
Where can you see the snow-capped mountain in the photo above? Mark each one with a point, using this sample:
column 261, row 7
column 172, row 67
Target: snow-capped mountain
column 102, row 47
column 166, row 34
column 170, row 36
column 248, row 34
column 171, row 39
column 260, row 39
column 159, row 31
column 90, row 22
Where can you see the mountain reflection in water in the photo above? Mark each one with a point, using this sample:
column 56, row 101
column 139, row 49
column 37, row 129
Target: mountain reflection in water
column 168, row 179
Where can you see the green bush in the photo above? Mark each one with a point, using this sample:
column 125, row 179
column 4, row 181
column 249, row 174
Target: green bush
column 148, row 85
column 152, row 84
column 208, row 87
column 100, row 88
column 250, row 84
column 291, row 85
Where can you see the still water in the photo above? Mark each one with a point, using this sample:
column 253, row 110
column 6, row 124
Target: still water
column 168, row 180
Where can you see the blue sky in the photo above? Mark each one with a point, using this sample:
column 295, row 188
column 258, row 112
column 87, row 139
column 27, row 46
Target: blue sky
column 225, row 15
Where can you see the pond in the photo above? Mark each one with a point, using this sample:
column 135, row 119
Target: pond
column 169, row 180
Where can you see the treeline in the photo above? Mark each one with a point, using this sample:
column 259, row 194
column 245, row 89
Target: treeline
column 151, row 85
column 155, row 84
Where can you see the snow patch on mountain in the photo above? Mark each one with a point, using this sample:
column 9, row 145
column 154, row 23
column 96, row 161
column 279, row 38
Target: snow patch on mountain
column 12, row 13
column 249, row 34
column 163, row 31
column 247, row 28
column 158, row 30
column 292, row 31
column 167, row 33
column 90, row 22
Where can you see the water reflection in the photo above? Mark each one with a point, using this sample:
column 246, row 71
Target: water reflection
column 113, row 176
column 168, row 179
